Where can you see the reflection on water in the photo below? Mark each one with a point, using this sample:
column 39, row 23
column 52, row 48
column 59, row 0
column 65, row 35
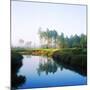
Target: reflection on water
column 51, row 66
column 45, row 72
column 48, row 67
column 16, row 80
column 28, row 56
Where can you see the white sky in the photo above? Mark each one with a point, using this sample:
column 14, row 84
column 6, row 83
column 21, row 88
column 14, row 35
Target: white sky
column 27, row 17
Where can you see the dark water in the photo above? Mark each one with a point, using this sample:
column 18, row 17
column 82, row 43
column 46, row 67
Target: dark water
column 44, row 72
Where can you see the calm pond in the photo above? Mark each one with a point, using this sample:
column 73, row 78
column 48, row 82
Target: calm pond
column 45, row 72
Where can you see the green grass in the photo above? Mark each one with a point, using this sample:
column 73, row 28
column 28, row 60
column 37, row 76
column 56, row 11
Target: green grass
column 50, row 51
column 38, row 51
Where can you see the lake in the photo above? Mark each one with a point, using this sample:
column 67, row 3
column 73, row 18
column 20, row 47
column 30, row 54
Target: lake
column 41, row 71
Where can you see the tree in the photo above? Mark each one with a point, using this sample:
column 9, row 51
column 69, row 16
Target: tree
column 62, row 40
column 66, row 40
column 83, row 41
column 71, row 40
column 50, row 38
column 46, row 36
column 76, row 41
column 40, row 36
column 54, row 36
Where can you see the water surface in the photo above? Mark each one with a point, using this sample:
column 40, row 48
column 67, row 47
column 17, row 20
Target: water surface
column 45, row 72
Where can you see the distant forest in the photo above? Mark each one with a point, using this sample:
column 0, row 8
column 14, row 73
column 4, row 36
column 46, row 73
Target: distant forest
column 51, row 39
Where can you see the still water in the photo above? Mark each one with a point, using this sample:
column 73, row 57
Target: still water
column 45, row 72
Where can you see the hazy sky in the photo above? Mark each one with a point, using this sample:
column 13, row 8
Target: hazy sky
column 27, row 17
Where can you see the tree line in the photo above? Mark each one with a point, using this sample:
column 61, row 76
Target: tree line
column 51, row 39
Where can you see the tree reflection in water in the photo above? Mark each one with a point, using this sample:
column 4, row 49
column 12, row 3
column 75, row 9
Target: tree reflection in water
column 16, row 64
column 51, row 66
column 47, row 66
column 28, row 56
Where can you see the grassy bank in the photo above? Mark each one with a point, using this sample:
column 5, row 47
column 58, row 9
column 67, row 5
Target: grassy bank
column 50, row 51
column 37, row 52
